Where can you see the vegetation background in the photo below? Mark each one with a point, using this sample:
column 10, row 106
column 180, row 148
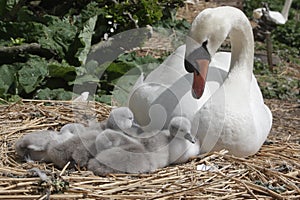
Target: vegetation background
column 44, row 46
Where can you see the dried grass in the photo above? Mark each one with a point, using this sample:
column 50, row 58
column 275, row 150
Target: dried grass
column 273, row 173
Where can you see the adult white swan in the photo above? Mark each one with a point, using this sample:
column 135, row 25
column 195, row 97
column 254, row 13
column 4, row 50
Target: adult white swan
column 277, row 17
column 165, row 92
column 235, row 117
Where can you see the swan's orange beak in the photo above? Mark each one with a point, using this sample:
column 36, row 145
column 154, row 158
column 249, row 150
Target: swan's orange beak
column 200, row 78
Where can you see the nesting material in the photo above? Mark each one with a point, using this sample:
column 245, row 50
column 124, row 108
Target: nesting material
column 273, row 173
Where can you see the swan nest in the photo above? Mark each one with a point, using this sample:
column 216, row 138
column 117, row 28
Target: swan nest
column 273, row 173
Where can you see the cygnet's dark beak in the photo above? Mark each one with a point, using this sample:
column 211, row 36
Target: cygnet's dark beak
column 135, row 125
column 189, row 137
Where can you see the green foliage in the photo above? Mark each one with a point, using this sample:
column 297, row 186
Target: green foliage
column 66, row 31
column 121, row 75
column 289, row 33
column 7, row 78
column 32, row 74
column 275, row 85
column 55, row 94
column 286, row 44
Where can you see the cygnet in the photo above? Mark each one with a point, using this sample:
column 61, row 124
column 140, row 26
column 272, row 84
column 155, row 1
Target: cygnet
column 118, row 130
column 121, row 119
column 182, row 144
column 79, row 148
column 33, row 146
column 72, row 129
column 130, row 158
column 149, row 154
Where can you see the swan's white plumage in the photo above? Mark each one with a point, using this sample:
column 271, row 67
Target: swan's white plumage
column 278, row 17
column 235, row 117
column 165, row 92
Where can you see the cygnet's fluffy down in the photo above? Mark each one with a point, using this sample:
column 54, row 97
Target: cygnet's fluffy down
column 79, row 148
column 156, row 145
column 120, row 119
column 130, row 158
column 148, row 153
column 34, row 146
column 118, row 126
column 182, row 145
column 111, row 138
column 71, row 129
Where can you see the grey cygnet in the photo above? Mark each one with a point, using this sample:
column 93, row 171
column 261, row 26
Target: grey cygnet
column 34, row 146
column 147, row 155
column 182, row 145
column 81, row 147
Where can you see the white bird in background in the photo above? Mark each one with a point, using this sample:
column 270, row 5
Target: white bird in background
column 235, row 117
column 277, row 17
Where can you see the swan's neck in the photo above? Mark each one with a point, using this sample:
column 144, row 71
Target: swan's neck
column 242, row 50
column 286, row 8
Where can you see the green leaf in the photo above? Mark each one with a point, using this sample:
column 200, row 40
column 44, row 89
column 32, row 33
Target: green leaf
column 88, row 78
column 62, row 70
column 58, row 35
column 104, row 99
column 7, row 78
column 55, row 94
column 122, row 88
column 85, row 37
column 32, row 74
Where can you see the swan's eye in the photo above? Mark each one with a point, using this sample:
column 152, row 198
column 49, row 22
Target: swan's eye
column 204, row 45
column 189, row 66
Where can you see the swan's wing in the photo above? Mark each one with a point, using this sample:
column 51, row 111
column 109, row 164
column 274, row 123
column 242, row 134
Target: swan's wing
column 170, row 70
column 262, row 113
column 277, row 17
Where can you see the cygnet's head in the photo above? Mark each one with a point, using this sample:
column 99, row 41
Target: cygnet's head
column 180, row 127
column 120, row 119
column 71, row 129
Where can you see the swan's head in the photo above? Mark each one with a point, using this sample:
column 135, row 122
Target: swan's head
column 120, row 119
column 208, row 31
column 258, row 13
column 181, row 127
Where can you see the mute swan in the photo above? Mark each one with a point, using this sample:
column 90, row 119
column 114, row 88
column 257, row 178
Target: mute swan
column 165, row 92
column 33, row 146
column 277, row 17
column 235, row 117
